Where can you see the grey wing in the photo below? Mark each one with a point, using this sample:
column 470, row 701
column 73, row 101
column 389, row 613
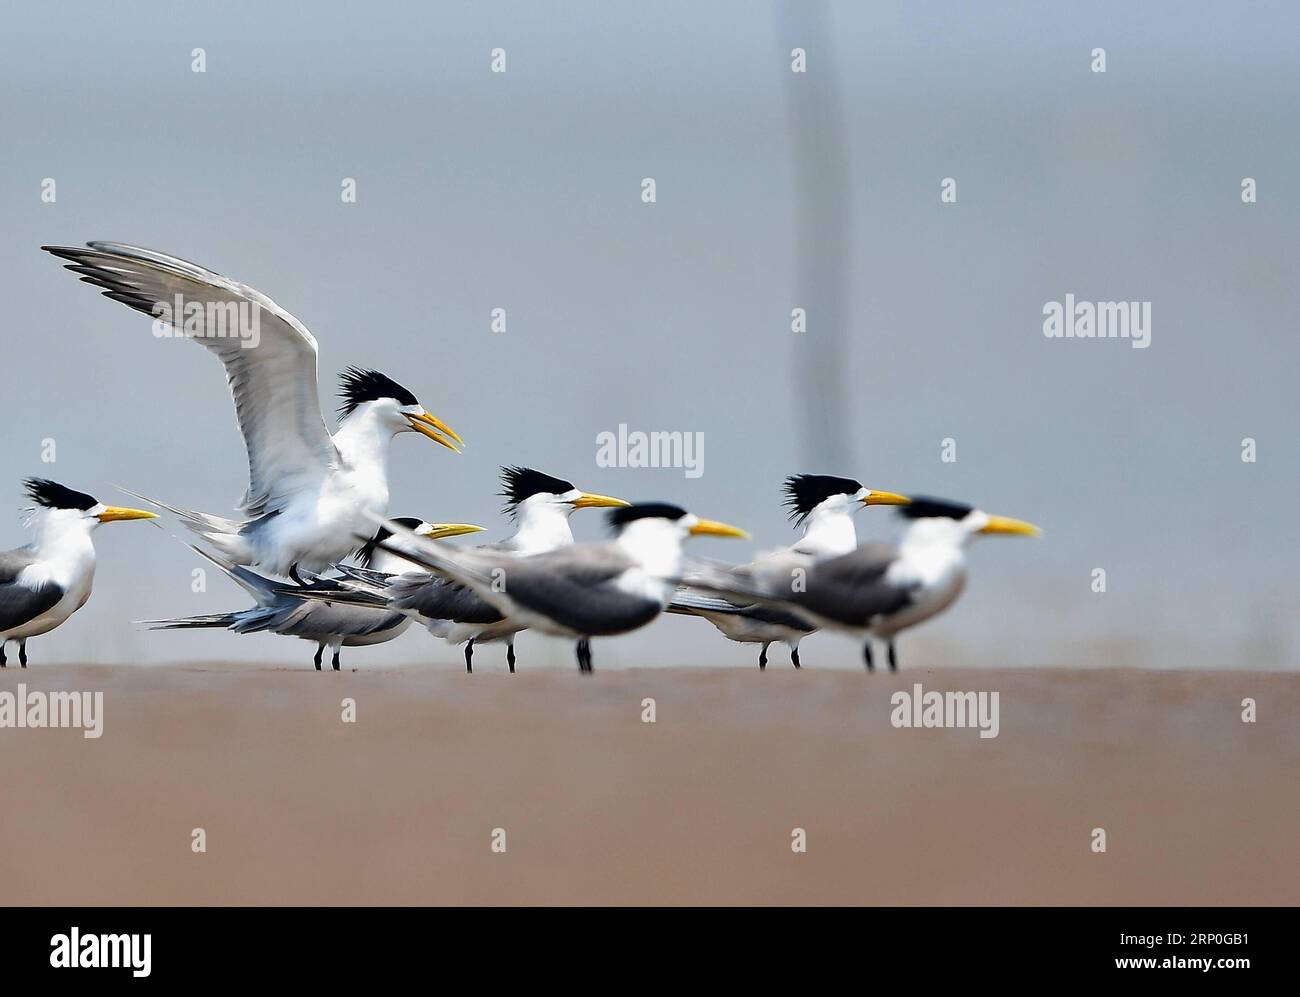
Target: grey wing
column 776, row 617
column 440, row 599
column 444, row 599
column 691, row 602
column 507, row 546
column 311, row 619
column 754, row 587
column 21, row 604
column 12, row 562
column 688, row 602
column 576, row 588
column 586, row 564
column 853, row 589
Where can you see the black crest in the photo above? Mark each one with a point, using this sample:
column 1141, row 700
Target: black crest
column 804, row 492
column 357, row 386
column 618, row 518
column 366, row 555
column 519, row 483
column 53, row 495
column 933, row 508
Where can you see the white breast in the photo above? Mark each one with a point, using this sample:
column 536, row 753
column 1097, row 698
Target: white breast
column 75, row 577
column 934, row 569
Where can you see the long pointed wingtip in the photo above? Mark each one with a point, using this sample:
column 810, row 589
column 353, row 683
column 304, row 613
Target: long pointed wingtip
column 71, row 253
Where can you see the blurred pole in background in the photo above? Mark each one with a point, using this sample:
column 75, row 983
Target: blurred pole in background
column 823, row 214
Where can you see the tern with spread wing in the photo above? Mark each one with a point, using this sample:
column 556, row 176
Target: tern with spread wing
column 586, row 590
column 44, row 583
column 309, row 492
column 823, row 505
column 541, row 506
column 876, row 590
column 291, row 611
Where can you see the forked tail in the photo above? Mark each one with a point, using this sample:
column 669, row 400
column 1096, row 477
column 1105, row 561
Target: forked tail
column 224, row 534
column 213, row 620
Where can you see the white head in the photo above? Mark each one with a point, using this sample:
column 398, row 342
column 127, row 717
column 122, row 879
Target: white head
column 60, row 512
column 542, row 505
column 653, row 533
column 824, row 505
column 937, row 521
column 376, row 558
column 377, row 397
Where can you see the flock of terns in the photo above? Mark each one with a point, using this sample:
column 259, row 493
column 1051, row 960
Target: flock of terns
column 317, row 500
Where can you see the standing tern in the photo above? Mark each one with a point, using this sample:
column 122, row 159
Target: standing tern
column 823, row 505
column 44, row 583
column 309, row 493
column 541, row 506
column 586, row 590
column 876, row 590
column 290, row 610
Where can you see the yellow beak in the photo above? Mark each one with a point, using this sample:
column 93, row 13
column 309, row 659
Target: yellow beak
column 440, row 531
column 711, row 528
column 1004, row 524
column 435, row 429
column 587, row 500
column 885, row 498
column 113, row 514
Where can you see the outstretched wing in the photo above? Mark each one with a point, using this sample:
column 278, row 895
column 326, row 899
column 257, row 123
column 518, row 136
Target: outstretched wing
column 272, row 374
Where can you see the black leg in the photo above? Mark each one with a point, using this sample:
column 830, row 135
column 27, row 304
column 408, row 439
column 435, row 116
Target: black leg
column 584, row 655
column 762, row 658
column 866, row 655
column 22, row 653
column 335, row 660
column 794, row 655
column 510, row 656
column 3, row 660
column 893, row 658
column 320, row 649
column 469, row 655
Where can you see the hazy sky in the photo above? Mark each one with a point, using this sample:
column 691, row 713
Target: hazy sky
column 522, row 191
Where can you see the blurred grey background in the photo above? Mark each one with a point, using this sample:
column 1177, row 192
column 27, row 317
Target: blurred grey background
column 522, row 190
